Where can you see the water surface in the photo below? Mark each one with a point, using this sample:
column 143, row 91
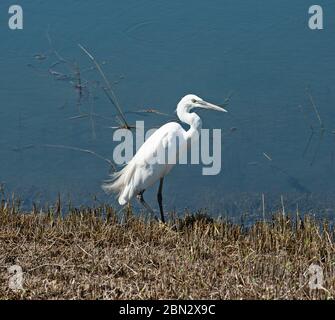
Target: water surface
column 158, row 51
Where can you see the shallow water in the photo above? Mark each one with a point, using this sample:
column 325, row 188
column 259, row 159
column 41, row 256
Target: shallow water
column 158, row 51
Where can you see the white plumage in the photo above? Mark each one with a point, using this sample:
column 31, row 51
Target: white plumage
column 147, row 167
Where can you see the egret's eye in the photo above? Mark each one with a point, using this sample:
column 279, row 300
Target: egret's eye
column 194, row 101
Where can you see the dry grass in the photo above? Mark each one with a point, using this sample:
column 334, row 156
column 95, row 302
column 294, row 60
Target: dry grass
column 94, row 254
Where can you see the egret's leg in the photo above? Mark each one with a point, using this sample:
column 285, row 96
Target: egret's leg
column 160, row 199
column 144, row 204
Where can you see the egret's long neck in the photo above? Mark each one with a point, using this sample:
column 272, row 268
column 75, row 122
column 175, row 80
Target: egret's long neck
column 192, row 119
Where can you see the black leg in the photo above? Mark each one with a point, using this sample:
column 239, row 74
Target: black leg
column 144, row 204
column 160, row 199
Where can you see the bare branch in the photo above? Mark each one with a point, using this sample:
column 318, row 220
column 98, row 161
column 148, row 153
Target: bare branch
column 81, row 150
column 315, row 108
column 111, row 95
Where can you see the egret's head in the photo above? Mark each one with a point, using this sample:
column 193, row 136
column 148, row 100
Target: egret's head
column 192, row 101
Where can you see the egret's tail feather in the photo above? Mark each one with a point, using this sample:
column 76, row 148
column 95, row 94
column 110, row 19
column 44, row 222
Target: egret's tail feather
column 120, row 184
column 114, row 184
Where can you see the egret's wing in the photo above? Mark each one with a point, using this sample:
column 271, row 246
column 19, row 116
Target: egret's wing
column 143, row 170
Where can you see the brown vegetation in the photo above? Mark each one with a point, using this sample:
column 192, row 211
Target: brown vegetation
column 96, row 254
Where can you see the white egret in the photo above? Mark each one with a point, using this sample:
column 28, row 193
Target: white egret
column 143, row 170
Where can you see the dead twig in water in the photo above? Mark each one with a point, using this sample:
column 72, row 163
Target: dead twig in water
column 81, row 150
column 322, row 127
column 311, row 128
column 308, row 142
column 125, row 124
column 110, row 94
column 87, row 115
column 267, row 156
column 52, row 48
column 78, row 86
column 148, row 111
column 227, row 100
column 92, row 122
column 315, row 108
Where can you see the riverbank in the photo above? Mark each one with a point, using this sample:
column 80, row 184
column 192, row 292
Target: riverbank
column 97, row 254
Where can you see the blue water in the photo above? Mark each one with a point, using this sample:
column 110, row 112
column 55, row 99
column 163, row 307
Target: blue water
column 157, row 51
